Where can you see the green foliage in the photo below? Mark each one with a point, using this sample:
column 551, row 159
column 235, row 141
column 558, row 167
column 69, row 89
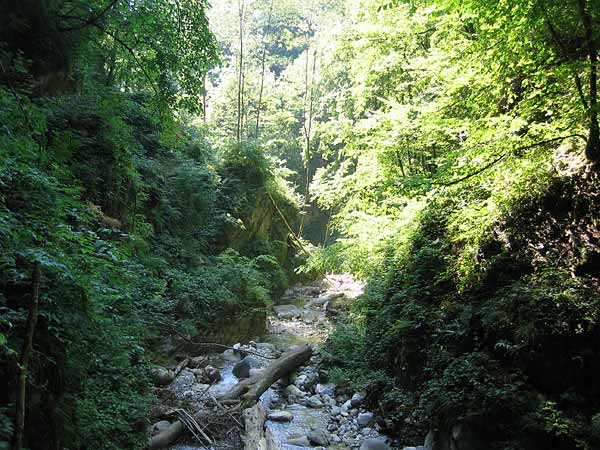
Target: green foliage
column 129, row 217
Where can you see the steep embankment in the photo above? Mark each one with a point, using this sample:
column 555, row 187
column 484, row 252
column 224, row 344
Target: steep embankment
column 507, row 355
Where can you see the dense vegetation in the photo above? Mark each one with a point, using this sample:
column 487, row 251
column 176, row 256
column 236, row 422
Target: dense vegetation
column 141, row 225
column 162, row 174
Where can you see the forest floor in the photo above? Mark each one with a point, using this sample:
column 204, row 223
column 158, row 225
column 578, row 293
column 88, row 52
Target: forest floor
column 303, row 411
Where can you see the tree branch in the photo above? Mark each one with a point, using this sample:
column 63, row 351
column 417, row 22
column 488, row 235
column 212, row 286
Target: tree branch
column 504, row 155
column 88, row 22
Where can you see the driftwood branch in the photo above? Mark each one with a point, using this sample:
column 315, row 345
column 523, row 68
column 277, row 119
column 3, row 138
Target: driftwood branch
column 249, row 391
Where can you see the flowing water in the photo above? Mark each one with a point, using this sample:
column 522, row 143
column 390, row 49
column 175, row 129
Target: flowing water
column 312, row 326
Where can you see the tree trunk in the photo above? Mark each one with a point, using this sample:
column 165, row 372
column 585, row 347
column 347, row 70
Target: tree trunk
column 240, row 100
column 167, row 437
column 250, row 390
column 25, row 356
column 204, row 98
column 262, row 75
column 307, row 127
column 592, row 150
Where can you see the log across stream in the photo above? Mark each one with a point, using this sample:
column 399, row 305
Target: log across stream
column 285, row 403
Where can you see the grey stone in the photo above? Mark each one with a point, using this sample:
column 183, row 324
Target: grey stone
column 242, row 368
column 293, row 392
column 374, row 444
column 358, row 398
column 266, row 346
column 159, row 427
column 365, row 419
column 336, row 411
column 346, row 407
column 325, row 389
column 314, row 402
column 328, row 400
column 318, row 437
column 287, row 311
column 300, row 380
column 231, row 355
column 319, row 301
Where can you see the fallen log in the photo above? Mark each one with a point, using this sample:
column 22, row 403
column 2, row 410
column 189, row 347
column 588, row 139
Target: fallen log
column 249, row 391
column 166, row 437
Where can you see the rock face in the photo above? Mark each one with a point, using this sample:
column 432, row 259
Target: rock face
column 242, row 369
column 287, row 312
column 374, row 444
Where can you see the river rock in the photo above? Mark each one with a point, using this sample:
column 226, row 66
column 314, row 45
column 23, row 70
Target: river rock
column 346, row 407
column 293, row 392
column 314, row 402
column 159, row 427
column 231, row 355
column 208, row 375
column 242, row 368
column 266, row 346
column 320, row 301
column 374, row 444
column 365, row 419
column 287, row 312
column 335, row 411
column 358, row 398
column 325, row 389
column 162, row 376
column 281, row 416
column 300, row 380
column 298, row 441
column 318, row 437
column 328, row 400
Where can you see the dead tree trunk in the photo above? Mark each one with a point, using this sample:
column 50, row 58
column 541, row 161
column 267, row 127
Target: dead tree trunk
column 247, row 391
column 25, row 357
column 250, row 390
column 307, row 128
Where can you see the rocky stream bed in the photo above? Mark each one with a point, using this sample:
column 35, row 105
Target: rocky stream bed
column 301, row 411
